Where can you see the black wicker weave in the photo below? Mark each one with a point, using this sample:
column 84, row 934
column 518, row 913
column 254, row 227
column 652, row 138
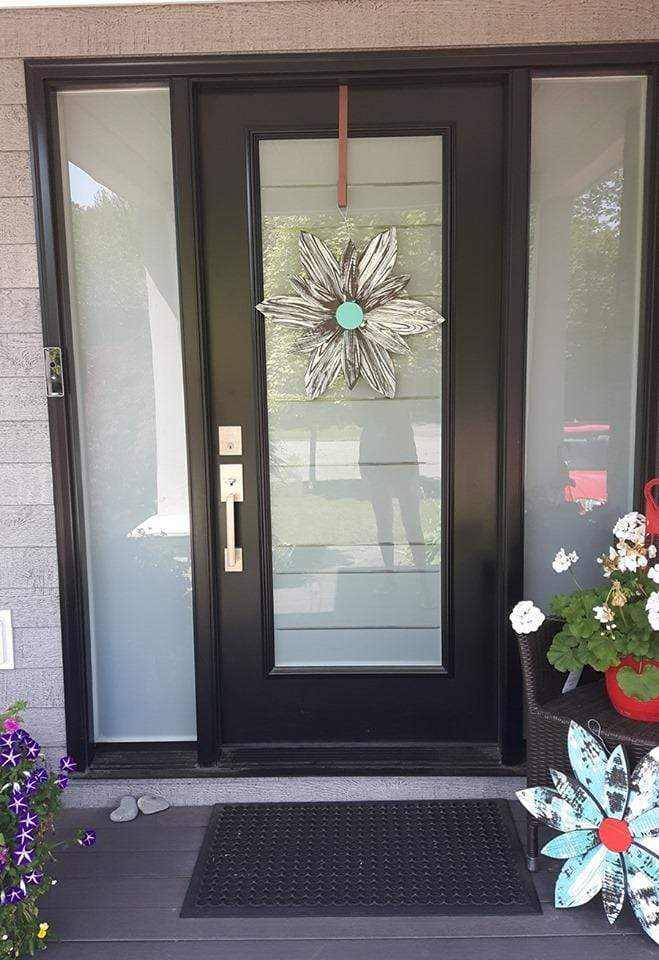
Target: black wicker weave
column 549, row 713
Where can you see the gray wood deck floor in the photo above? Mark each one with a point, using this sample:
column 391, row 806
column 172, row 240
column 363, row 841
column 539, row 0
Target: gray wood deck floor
column 120, row 901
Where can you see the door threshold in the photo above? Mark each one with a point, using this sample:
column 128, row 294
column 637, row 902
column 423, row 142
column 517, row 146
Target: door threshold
column 116, row 761
column 364, row 759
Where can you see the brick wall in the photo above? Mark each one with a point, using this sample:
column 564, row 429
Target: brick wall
column 28, row 560
column 28, row 578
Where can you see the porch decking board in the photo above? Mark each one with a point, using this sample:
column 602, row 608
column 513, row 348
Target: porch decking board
column 121, row 902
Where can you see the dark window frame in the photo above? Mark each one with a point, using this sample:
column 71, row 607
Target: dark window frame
column 515, row 67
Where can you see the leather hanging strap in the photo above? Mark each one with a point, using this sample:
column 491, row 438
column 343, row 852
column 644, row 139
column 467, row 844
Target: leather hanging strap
column 651, row 507
column 342, row 183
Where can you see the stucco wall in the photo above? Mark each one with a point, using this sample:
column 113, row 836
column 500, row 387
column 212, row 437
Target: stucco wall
column 28, row 579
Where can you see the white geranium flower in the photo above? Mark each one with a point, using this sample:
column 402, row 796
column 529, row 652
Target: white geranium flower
column 563, row 561
column 526, row 617
column 604, row 614
column 652, row 607
column 629, row 560
column 652, row 551
column 631, row 527
column 653, row 573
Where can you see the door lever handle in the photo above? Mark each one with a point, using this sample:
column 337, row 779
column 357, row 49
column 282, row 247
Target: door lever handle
column 231, row 492
column 231, row 554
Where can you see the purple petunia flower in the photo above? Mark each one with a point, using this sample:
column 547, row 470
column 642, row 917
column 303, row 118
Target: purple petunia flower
column 68, row 765
column 23, row 856
column 88, row 838
column 31, row 786
column 9, row 757
column 7, row 740
column 29, row 820
column 41, row 774
column 34, row 877
column 17, row 803
column 23, row 836
column 16, row 894
column 32, row 748
column 62, row 781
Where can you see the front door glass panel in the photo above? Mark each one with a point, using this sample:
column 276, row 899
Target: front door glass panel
column 355, row 478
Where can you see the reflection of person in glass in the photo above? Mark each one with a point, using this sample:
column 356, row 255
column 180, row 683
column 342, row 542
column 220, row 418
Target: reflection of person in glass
column 387, row 482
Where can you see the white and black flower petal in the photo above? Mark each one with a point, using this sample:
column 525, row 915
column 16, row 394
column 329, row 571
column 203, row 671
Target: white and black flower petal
column 378, row 368
column 324, row 367
column 294, row 310
column 388, row 339
column 312, row 294
column 351, row 357
column 320, row 265
column 385, row 292
column 376, row 262
column 406, row 316
column 349, row 271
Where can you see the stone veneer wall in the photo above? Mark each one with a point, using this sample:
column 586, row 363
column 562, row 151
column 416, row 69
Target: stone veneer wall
column 28, row 575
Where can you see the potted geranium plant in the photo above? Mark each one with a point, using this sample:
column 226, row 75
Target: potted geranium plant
column 613, row 628
column 30, row 797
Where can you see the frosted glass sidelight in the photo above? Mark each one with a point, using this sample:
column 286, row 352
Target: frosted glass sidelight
column 584, row 294
column 355, row 479
column 117, row 174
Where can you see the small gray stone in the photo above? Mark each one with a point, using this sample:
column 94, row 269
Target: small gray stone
column 150, row 804
column 127, row 810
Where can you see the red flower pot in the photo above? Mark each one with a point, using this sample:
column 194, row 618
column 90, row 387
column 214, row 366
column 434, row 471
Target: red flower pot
column 647, row 710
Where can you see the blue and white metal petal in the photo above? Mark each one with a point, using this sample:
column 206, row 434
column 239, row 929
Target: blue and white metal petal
column 573, row 844
column 588, row 758
column 645, row 825
column 644, row 784
column 613, row 886
column 577, row 796
column 644, row 898
column 580, row 879
column 641, row 858
column 545, row 804
column 616, row 784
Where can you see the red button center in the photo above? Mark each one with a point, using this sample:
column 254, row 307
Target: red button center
column 615, row 835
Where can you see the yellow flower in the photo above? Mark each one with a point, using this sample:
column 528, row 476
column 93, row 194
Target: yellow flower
column 43, row 930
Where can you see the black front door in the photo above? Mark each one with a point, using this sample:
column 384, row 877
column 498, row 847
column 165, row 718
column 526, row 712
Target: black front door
column 362, row 607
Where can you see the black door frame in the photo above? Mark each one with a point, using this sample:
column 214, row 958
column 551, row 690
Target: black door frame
column 512, row 66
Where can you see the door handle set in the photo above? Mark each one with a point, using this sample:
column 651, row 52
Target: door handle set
column 231, row 493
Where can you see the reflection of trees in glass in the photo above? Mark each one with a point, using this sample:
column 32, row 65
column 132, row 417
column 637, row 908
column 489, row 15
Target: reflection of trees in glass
column 341, row 511
column 115, row 384
column 594, row 319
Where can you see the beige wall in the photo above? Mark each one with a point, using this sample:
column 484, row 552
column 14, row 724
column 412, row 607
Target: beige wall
column 28, row 580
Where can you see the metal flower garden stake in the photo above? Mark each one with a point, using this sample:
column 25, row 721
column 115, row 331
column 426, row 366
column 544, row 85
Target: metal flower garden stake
column 354, row 313
column 609, row 823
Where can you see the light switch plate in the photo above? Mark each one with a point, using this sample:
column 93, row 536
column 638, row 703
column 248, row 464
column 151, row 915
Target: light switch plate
column 6, row 641
column 230, row 441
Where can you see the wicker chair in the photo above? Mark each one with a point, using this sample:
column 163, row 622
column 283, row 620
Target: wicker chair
column 549, row 712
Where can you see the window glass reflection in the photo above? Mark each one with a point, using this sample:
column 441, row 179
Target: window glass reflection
column 355, row 478
column 585, row 257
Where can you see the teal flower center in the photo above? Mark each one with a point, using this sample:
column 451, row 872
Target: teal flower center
column 349, row 315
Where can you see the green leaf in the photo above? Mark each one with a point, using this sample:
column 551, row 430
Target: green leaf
column 641, row 686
